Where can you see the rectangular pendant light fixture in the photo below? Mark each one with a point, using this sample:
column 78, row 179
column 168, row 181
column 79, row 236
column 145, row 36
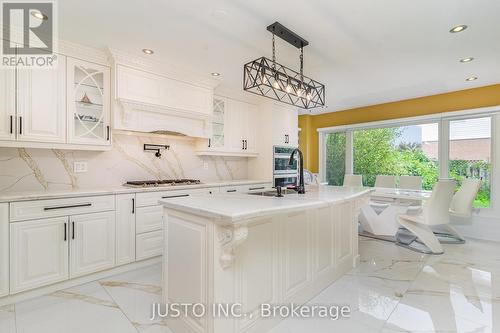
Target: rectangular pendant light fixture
column 270, row 79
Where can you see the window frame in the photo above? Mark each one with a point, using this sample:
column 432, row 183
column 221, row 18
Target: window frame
column 443, row 120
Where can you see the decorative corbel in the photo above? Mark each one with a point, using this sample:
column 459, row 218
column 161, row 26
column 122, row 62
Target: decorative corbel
column 229, row 240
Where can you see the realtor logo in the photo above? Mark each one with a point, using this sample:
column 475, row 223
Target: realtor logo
column 28, row 34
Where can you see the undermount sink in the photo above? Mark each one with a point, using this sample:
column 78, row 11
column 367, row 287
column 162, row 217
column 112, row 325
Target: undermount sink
column 273, row 193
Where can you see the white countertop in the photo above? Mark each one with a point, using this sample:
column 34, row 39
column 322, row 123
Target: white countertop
column 232, row 208
column 54, row 194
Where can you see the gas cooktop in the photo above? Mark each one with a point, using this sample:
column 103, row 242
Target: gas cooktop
column 163, row 182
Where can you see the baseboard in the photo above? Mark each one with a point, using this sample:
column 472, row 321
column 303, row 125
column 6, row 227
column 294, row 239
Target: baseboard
column 26, row 295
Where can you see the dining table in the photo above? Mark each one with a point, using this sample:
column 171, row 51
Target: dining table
column 379, row 218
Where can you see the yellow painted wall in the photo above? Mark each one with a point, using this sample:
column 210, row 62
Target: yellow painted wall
column 454, row 101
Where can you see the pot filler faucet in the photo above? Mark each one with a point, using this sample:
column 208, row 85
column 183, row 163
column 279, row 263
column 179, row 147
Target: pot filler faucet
column 300, row 188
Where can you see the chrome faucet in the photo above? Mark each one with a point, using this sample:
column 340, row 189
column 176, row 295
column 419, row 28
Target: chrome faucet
column 301, row 189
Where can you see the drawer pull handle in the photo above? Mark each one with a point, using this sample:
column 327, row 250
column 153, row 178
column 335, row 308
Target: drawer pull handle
column 73, row 230
column 256, row 188
column 69, row 206
column 133, row 205
column 175, row 196
column 65, row 231
column 231, row 191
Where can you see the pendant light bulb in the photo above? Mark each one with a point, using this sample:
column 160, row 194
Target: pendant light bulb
column 276, row 83
column 300, row 91
column 288, row 86
column 263, row 75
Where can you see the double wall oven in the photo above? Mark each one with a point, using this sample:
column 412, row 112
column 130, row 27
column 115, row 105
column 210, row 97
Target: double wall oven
column 284, row 175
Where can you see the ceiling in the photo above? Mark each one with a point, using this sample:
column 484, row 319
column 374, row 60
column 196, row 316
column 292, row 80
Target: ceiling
column 366, row 52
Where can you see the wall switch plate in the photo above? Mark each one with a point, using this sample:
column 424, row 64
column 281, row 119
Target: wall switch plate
column 205, row 165
column 80, row 166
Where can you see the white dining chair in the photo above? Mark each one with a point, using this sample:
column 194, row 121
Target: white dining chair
column 410, row 182
column 461, row 207
column 382, row 181
column 385, row 181
column 434, row 212
column 353, row 180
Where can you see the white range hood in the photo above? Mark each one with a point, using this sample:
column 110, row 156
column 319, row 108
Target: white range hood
column 160, row 103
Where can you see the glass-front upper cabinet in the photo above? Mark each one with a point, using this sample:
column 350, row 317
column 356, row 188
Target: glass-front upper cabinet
column 88, row 103
column 217, row 140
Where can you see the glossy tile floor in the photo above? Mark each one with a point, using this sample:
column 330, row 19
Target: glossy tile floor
column 393, row 290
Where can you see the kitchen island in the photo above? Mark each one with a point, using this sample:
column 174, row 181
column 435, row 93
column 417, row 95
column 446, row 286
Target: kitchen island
column 251, row 250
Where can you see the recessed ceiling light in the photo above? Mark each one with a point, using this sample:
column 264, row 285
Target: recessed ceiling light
column 466, row 59
column 148, row 51
column 39, row 15
column 472, row 78
column 458, row 28
column 215, row 74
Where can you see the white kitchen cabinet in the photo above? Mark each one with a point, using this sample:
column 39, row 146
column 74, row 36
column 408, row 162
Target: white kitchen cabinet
column 285, row 126
column 125, row 228
column 149, row 244
column 41, row 103
column 92, row 243
column 234, row 129
column 38, row 253
column 149, row 218
column 7, row 104
column 4, row 249
column 88, row 103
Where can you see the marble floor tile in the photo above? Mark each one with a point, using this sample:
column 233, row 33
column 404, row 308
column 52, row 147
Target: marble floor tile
column 7, row 319
column 392, row 290
column 448, row 313
column 135, row 292
column 84, row 309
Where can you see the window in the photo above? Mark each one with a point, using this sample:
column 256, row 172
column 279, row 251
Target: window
column 455, row 145
column 406, row 150
column 470, row 154
column 335, row 158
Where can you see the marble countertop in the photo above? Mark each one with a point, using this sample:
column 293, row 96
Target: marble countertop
column 233, row 208
column 55, row 194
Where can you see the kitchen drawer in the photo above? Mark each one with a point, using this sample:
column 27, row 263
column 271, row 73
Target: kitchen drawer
column 149, row 245
column 28, row 210
column 246, row 188
column 148, row 219
column 152, row 198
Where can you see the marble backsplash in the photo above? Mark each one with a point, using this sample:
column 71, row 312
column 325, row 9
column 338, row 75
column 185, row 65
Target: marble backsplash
column 26, row 169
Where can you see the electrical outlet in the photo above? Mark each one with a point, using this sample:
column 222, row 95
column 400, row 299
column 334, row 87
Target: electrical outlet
column 205, row 165
column 80, row 166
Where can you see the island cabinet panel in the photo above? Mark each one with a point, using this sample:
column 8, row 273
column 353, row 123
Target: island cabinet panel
column 282, row 257
column 296, row 247
column 257, row 265
column 324, row 243
column 344, row 221
column 187, row 277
